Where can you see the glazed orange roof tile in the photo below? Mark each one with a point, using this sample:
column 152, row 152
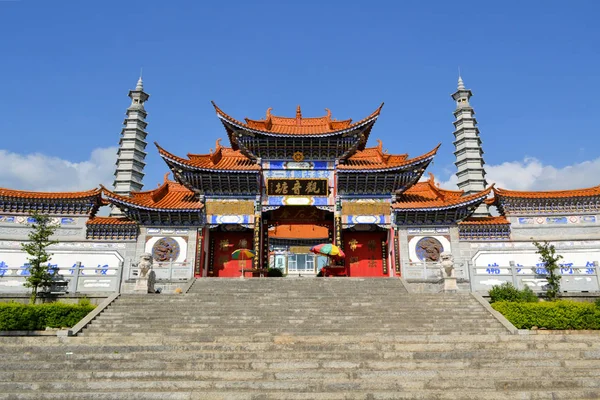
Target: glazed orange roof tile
column 555, row 194
column 168, row 196
column 221, row 159
column 375, row 158
column 498, row 220
column 298, row 125
column 110, row 221
column 427, row 195
column 298, row 232
column 48, row 195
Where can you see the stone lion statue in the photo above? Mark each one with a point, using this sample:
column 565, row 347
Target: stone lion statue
column 447, row 264
column 145, row 264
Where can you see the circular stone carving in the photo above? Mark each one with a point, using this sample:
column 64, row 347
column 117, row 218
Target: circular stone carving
column 165, row 250
column 298, row 156
column 429, row 249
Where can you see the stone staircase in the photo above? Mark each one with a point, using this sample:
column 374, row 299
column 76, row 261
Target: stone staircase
column 305, row 338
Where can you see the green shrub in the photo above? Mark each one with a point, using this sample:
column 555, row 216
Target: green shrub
column 597, row 302
column 84, row 302
column 26, row 317
column 507, row 292
column 274, row 272
column 562, row 314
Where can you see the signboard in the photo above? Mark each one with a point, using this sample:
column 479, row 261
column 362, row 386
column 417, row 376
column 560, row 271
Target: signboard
column 299, row 214
column 298, row 187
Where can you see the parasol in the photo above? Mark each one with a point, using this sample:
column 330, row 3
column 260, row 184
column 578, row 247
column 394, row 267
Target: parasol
column 242, row 254
column 329, row 250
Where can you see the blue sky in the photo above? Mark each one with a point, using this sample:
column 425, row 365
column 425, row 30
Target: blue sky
column 534, row 68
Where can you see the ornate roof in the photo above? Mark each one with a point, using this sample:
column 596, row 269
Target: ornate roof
column 555, row 194
column 221, row 159
column 65, row 203
column 374, row 158
column 428, row 195
column 498, row 220
column 297, row 126
column 170, row 196
column 22, row 194
column 298, row 232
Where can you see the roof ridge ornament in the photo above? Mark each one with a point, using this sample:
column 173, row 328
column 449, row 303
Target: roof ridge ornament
column 298, row 115
column 140, row 84
column 461, row 84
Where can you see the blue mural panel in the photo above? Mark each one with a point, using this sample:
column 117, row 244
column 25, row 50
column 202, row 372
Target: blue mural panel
column 557, row 220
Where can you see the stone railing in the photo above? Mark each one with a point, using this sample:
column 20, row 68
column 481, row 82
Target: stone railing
column 75, row 279
column 166, row 271
column 432, row 270
column 575, row 278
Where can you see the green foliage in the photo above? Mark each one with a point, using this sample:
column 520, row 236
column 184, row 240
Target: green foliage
column 597, row 302
column 550, row 260
column 84, row 302
column 28, row 317
column 507, row 292
column 562, row 314
column 274, row 273
column 40, row 275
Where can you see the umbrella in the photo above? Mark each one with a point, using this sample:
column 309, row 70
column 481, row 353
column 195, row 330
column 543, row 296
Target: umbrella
column 329, row 250
column 242, row 254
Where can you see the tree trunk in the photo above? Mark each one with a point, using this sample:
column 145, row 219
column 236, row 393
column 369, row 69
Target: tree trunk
column 33, row 296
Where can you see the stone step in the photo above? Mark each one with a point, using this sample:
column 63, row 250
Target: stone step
column 299, row 339
column 303, row 381
column 340, row 394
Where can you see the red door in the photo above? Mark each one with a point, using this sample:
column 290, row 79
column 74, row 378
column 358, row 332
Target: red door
column 226, row 243
column 364, row 253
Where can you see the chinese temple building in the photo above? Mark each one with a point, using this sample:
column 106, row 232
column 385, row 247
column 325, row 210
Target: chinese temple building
column 279, row 185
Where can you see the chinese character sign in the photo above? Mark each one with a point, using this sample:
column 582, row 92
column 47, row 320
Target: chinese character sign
column 297, row 187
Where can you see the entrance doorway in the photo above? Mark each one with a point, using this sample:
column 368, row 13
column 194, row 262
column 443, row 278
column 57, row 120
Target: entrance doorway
column 292, row 231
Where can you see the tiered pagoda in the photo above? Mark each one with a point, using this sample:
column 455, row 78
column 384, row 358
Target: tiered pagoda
column 283, row 184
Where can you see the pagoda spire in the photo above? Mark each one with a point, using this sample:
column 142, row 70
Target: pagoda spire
column 131, row 154
column 468, row 150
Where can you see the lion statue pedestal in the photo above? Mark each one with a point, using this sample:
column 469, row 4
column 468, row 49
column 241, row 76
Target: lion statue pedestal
column 147, row 277
column 447, row 265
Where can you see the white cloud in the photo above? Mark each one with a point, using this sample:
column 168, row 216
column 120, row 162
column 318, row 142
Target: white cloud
column 39, row 172
column 532, row 174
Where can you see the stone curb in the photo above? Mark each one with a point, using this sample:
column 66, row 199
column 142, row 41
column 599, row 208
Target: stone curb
column 188, row 285
column 506, row 323
column 88, row 318
column 28, row 333
column 406, row 285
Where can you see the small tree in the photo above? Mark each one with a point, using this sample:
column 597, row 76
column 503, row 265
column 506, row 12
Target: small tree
column 550, row 260
column 40, row 274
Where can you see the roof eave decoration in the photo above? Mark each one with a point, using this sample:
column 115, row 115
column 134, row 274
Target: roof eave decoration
column 172, row 159
column 484, row 221
column 553, row 194
column 422, row 160
column 22, row 194
column 121, row 201
column 88, row 201
column 472, row 200
column 231, row 124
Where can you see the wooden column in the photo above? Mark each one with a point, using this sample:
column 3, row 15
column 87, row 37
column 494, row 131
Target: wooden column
column 397, row 252
column 257, row 239
column 198, row 264
column 265, row 244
